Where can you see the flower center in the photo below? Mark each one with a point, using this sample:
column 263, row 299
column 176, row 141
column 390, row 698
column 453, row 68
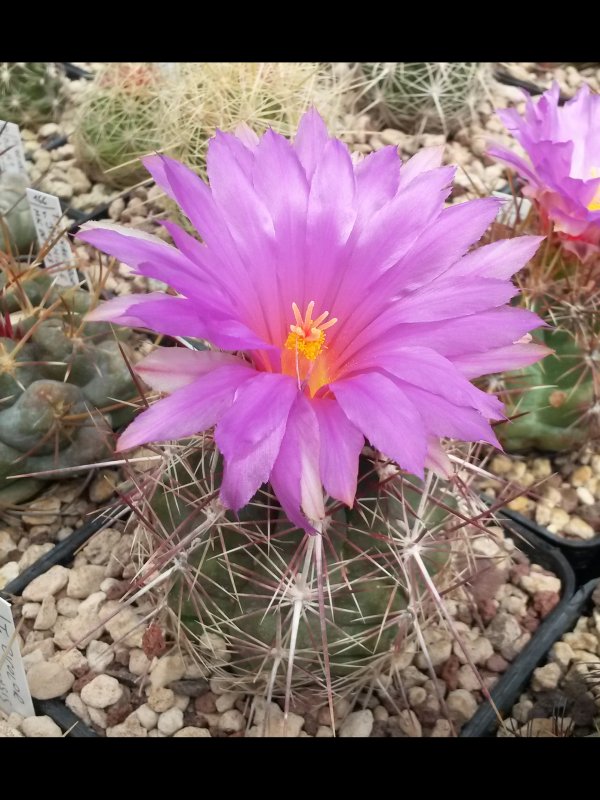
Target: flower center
column 307, row 336
column 595, row 204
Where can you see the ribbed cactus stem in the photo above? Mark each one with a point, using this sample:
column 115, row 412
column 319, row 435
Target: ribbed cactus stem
column 30, row 92
column 425, row 96
column 116, row 123
column 276, row 611
column 64, row 382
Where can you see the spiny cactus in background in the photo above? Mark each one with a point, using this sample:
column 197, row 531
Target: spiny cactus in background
column 31, row 92
column 17, row 231
column 273, row 611
column 200, row 97
column 116, row 123
column 63, row 382
column 425, row 96
column 559, row 397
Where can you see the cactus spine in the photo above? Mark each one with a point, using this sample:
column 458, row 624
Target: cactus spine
column 31, row 93
column 425, row 96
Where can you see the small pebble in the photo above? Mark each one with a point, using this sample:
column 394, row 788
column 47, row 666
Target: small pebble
column 190, row 731
column 358, row 724
column 40, row 727
column 232, row 721
column 48, row 680
column 169, row 722
column 161, row 699
column 101, row 692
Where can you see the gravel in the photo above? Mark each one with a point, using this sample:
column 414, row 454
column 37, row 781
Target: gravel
column 75, row 631
column 95, row 658
column 563, row 696
column 562, row 493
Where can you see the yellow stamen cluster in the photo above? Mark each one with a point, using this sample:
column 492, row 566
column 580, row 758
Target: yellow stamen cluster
column 307, row 336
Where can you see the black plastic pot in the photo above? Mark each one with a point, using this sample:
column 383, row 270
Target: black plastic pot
column 97, row 213
column 63, row 553
column 518, row 675
column 508, row 688
column 75, row 73
column 505, row 77
column 54, row 142
column 583, row 556
column 79, row 217
column 483, row 723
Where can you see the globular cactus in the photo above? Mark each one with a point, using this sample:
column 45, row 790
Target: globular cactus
column 24, row 287
column 31, row 92
column 116, row 123
column 271, row 610
column 63, row 382
column 425, row 96
column 554, row 402
column 49, row 426
column 17, row 231
column 201, row 97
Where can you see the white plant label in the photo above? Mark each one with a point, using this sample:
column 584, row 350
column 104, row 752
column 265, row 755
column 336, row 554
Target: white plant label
column 12, row 155
column 513, row 206
column 46, row 212
column 14, row 690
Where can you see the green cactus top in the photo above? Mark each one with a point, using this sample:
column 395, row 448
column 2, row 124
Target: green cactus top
column 31, row 92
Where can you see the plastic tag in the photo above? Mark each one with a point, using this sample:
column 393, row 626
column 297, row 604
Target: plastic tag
column 14, row 689
column 46, row 212
column 12, row 155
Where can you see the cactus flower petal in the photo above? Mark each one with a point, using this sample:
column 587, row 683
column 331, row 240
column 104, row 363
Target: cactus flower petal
column 250, row 434
column 424, row 160
column 197, row 406
column 513, row 356
column 167, row 369
column 351, row 303
column 177, row 316
column 386, row 417
column 510, row 253
column 296, row 476
column 341, row 443
column 563, row 171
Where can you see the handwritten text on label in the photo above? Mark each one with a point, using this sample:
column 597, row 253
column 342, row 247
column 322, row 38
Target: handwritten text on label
column 12, row 155
column 14, row 691
column 46, row 212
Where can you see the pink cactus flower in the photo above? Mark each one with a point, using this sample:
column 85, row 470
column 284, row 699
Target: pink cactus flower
column 563, row 172
column 342, row 305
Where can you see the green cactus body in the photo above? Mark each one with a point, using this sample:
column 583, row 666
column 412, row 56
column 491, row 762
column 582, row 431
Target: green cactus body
column 361, row 611
column 17, row 231
column 250, row 578
column 22, row 287
column 62, row 382
column 425, row 96
column 555, row 397
column 553, row 405
column 31, row 92
column 116, row 123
